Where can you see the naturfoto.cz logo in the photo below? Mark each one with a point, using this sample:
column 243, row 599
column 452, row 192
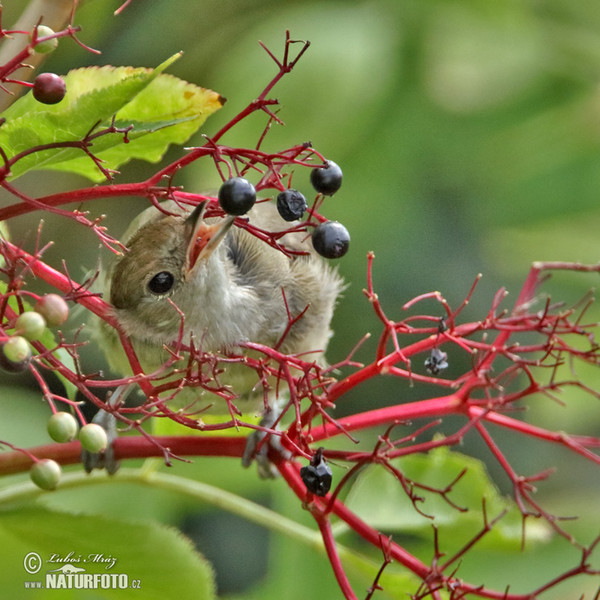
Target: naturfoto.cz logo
column 70, row 576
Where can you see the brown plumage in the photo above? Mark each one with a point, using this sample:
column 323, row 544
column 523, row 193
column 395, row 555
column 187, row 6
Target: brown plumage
column 229, row 285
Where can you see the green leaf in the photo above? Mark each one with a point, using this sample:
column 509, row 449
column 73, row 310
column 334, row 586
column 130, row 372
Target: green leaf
column 158, row 557
column 379, row 499
column 162, row 109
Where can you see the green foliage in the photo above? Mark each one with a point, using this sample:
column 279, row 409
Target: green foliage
column 467, row 133
column 379, row 499
column 143, row 551
column 150, row 101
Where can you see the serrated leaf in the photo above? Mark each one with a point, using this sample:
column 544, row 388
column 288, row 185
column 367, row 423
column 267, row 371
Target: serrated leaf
column 158, row 557
column 162, row 109
column 378, row 498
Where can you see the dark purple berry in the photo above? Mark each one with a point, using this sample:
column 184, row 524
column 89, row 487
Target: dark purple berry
column 291, row 205
column 49, row 88
column 327, row 180
column 237, row 196
column 317, row 475
column 331, row 239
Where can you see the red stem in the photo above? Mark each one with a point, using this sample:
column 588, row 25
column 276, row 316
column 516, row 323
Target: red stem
column 128, row 447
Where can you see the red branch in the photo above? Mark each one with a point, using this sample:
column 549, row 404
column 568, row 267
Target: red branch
column 503, row 371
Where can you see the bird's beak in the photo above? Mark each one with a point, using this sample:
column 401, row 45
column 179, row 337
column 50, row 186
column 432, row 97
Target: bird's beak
column 203, row 237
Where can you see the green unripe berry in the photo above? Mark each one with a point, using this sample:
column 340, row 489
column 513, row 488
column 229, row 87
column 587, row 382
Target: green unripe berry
column 14, row 346
column 63, row 427
column 45, row 473
column 48, row 45
column 31, row 324
column 53, row 308
column 16, row 349
column 93, row 438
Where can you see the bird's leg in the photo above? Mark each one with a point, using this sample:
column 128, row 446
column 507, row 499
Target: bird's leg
column 106, row 420
column 266, row 469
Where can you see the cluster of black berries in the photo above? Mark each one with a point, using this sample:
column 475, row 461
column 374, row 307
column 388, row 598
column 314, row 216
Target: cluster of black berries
column 330, row 239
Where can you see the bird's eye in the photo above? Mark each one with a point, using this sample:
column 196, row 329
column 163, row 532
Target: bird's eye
column 161, row 283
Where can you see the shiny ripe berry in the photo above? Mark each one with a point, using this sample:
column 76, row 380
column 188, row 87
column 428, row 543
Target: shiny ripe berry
column 31, row 324
column 62, row 427
column 45, row 473
column 317, row 475
column 237, row 196
column 331, row 239
column 93, row 438
column 48, row 45
column 49, row 88
column 53, row 308
column 291, row 205
column 327, row 180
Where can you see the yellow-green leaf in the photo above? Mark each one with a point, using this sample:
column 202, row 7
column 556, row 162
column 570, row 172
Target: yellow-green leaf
column 161, row 108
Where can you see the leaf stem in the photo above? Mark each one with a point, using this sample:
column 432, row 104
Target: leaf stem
column 203, row 492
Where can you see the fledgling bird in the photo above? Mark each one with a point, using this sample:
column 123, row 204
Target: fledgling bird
column 230, row 286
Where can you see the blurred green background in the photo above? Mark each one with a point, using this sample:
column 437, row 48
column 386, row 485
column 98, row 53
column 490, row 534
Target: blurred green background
column 469, row 136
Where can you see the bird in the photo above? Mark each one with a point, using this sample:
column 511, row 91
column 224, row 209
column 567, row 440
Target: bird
column 187, row 278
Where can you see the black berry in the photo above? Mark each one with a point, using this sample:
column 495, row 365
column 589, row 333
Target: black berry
column 49, row 88
column 317, row 475
column 291, row 205
column 331, row 239
column 237, row 196
column 327, row 180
